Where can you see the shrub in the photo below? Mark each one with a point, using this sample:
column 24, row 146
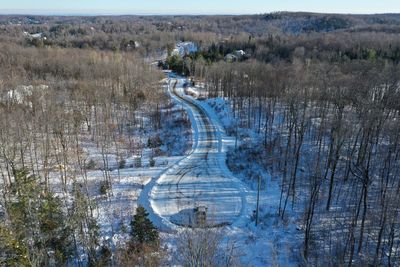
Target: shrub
column 154, row 142
column 152, row 162
column 91, row 165
column 138, row 162
column 122, row 163
column 105, row 186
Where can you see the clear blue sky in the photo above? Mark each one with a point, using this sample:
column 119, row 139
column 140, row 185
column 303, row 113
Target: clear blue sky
column 195, row 6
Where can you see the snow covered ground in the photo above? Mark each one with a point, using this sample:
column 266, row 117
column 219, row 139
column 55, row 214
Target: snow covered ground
column 178, row 183
column 201, row 178
column 115, row 212
column 274, row 242
column 142, row 164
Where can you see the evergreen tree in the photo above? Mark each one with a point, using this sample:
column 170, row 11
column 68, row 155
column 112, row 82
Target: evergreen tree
column 56, row 234
column 12, row 251
column 37, row 223
column 144, row 248
column 143, row 230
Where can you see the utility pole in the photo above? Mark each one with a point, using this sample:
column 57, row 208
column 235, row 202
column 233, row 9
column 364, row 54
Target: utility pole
column 258, row 198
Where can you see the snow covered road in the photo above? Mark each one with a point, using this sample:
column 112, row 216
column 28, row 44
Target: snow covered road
column 200, row 179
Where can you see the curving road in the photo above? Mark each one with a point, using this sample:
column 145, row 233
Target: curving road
column 201, row 178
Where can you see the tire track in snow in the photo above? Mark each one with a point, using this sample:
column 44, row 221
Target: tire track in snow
column 198, row 179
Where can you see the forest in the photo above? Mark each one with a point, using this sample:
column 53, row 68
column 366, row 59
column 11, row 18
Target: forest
column 314, row 101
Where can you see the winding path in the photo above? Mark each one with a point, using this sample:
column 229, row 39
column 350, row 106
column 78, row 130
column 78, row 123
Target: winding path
column 200, row 179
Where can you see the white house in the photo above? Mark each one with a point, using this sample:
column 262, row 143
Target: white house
column 38, row 35
column 237, row 55
column 240, row 53
column 184, row 48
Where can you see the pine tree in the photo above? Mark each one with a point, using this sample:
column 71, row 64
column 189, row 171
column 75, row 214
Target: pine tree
column 37, row 222
column 144, row 247
column 143, row 230
column 12, row 251
column 56, row 234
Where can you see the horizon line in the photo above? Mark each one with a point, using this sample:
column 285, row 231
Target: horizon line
column 71, row 13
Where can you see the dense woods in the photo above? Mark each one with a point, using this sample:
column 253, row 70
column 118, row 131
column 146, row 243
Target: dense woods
column 321, row 92
column 330, row 135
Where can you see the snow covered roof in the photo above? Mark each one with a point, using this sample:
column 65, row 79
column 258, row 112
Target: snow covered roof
column 37, row 35
column 240, row 53
column 184, row 48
